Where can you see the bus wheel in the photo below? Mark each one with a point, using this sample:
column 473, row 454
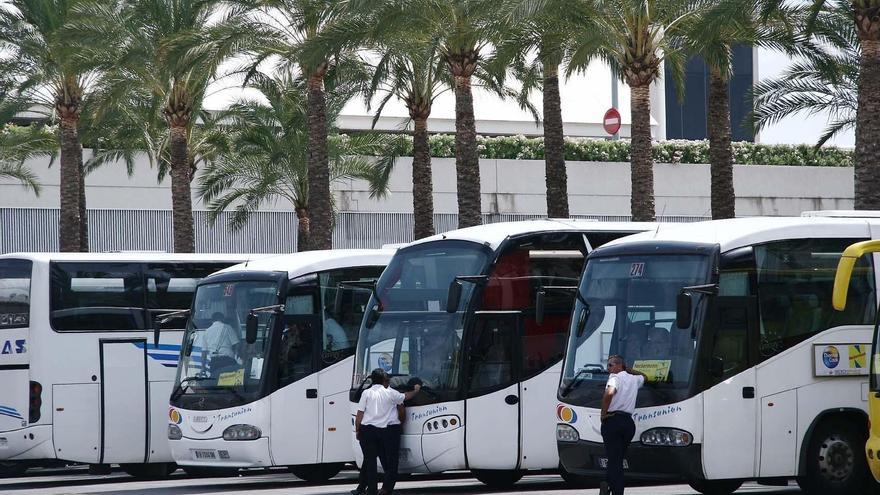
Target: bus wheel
column 152, row 471
column 496, row 478
column 836, row 462
column 209, row 472
column 577, row 480
column 11, row 469
column 315, row 473
column 715, row 487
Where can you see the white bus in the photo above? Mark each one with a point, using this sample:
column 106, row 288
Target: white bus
column 80, row 377
column 458, row 312
column 753, row 375
column 266, row 364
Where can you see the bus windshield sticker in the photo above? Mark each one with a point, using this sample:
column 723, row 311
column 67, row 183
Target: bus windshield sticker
column 228, row 290
column 231, row 378
column 655, row 370
column 637, row 270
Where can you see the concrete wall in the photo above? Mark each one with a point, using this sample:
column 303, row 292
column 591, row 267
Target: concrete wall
column 508, row 186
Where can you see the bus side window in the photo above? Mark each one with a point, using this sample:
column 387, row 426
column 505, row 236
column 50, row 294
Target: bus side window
column 340, row 325
column 795, row 278
column 97, row 296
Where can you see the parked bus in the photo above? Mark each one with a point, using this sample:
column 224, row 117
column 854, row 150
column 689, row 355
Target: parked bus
column 457, row 313
column 80, row 377
column 751, row 373
column 266, row 364
column 841, row 290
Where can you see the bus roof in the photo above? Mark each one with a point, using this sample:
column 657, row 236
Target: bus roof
column 303, row 263
column 494, row 234
column 133, row 256
column 738, row 232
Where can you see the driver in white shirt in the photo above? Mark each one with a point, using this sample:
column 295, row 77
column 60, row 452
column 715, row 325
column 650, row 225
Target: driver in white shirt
column 219, row 343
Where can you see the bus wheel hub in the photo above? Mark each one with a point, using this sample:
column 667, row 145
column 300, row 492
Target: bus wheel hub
column 836, row 459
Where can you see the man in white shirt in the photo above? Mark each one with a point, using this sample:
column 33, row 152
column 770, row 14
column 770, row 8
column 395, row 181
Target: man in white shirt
column 618, row 427
column 219, row 343
column 377, row 409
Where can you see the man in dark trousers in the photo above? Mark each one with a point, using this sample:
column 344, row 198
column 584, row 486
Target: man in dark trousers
column 377, row 409
column 618, row 427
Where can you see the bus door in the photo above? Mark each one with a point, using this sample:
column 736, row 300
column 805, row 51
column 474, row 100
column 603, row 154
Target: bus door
column 124, row 401
column 492, row 407
column 16, row 392
column 730, row 406
column 296, row 422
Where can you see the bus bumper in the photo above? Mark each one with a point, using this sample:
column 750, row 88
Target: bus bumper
column 642, row 462
column 221, row 453
column 31, row 443
column 872, row 449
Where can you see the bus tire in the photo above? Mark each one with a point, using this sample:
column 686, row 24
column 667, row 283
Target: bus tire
column 151, row 471
column 209, row 472
column 835, row 460
column 315, row 473
column 715, row 487
column 578, row 480
column 11, row 469
column 497, row 478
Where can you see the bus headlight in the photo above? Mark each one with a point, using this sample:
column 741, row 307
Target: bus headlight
column 241, row 432
column 174, row 432
column 566, row 433
column 667, row 437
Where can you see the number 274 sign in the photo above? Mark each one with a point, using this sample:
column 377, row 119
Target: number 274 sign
column 637, row 270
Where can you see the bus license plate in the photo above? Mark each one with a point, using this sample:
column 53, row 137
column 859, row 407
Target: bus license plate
column 204, row 455
column 603, row 463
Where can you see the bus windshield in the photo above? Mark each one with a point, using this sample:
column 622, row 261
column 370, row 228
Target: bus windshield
column 217, row 367
column 627, row 307
column 407, row 330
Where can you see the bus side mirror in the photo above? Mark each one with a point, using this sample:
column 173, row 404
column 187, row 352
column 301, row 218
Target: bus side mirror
column 453, row 297
column 157, row 329
column 250, row 333
column 683, row 310
column 540, row 299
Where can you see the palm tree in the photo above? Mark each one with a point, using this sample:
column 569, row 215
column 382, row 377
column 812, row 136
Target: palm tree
column 557, row 30
column 412, row 71
column 639, row 36
column 282, row 29
column 465, row 30
column 45, row 69
column 821, row 82
column 170, row 53
column 865, row 18
column 269, row 154
column 712, row 37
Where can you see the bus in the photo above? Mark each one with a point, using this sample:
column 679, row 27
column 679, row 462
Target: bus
column 266, row 364
column 81, row 378
column 751, row 373
column 459, row 312
column 841, row 290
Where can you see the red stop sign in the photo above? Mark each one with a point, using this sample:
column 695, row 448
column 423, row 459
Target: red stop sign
column 611, row 121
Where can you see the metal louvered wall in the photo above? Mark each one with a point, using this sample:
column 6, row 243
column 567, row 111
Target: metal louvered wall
column 36, row 229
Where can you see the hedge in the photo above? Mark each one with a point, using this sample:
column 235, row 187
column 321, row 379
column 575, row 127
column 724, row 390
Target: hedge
column 596, row 150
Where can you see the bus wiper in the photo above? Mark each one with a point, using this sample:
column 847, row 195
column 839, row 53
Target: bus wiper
column 182, row 386
column 578, row 377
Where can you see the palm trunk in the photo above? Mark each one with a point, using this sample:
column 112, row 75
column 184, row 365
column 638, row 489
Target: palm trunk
column 69, row 228
column 467, row 159
column 867, row 154
column 554, row 145
column 302, row 229
column 83, row 213
column 181, row 194
column 720, row 150
column 423, row 189
column 320, row 207
column 642, row 200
